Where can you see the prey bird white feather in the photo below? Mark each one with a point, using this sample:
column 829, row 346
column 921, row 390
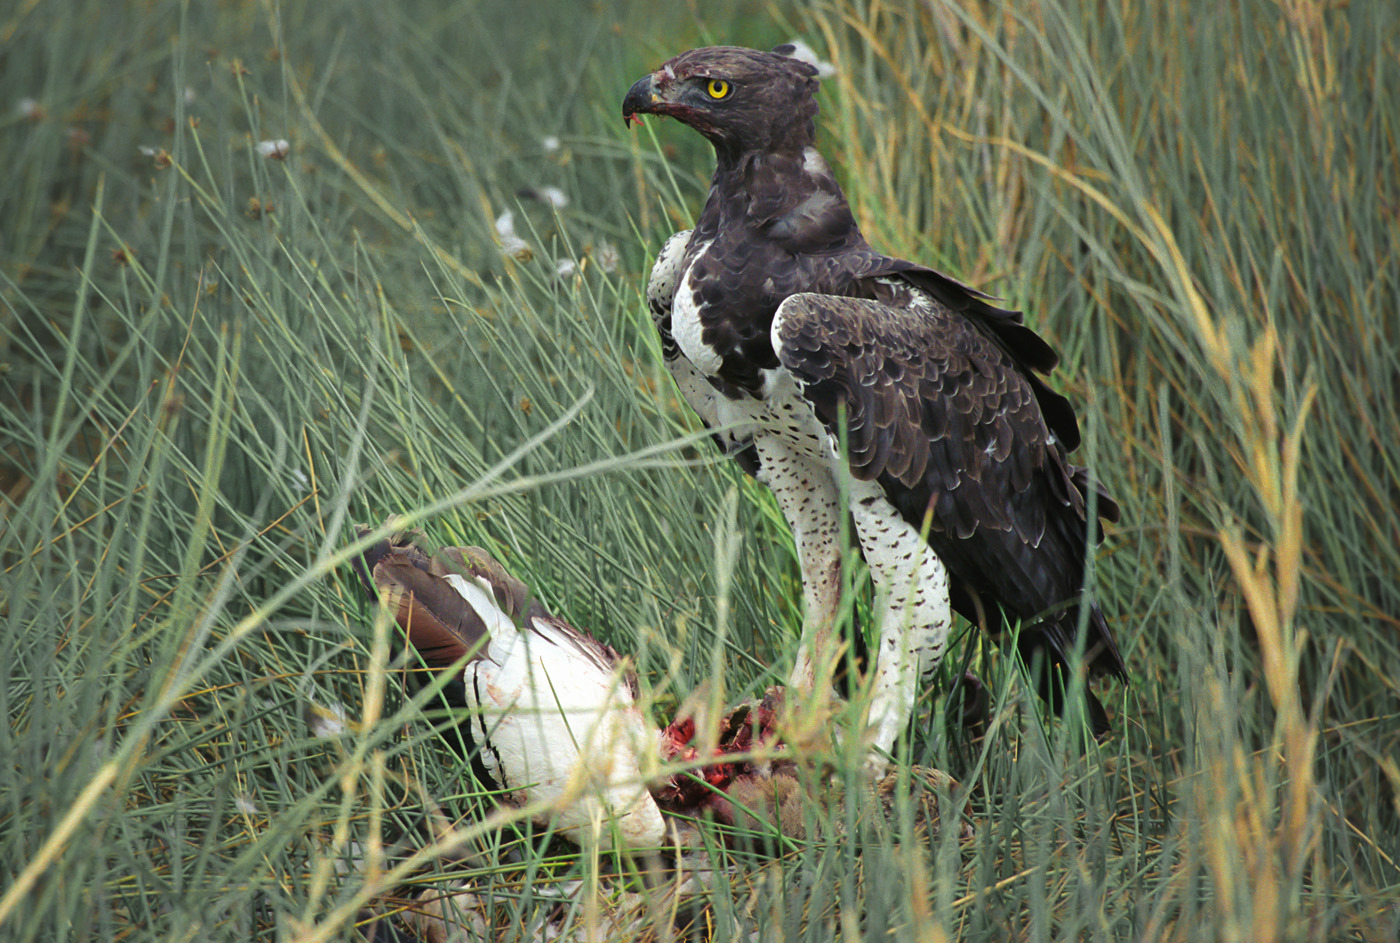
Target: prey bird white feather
column 550, row 713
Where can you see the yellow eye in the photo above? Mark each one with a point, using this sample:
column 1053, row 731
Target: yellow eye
column 718, row 88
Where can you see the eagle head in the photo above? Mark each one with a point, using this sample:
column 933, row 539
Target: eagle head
column 740, row 99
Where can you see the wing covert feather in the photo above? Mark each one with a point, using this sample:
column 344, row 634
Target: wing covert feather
column 952, row 429
column 930, row 404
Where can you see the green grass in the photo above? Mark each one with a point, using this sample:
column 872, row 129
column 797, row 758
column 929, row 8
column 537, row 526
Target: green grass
column 213, row 363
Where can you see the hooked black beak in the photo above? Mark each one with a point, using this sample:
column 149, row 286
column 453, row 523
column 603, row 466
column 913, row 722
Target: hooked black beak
column 641, row 99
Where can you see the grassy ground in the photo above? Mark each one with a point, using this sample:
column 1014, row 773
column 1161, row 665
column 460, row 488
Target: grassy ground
column 214, row 361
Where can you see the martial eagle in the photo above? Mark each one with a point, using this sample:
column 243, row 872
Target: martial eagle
column 826, row 368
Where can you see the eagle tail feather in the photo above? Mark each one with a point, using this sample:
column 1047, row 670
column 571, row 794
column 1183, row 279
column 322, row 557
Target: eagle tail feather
column 1047, row 649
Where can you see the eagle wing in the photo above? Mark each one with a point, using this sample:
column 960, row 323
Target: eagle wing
column 951, row 427
column 696, row 389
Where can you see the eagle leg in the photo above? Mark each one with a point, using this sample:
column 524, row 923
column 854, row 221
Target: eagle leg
column 915, row 613
column 810, row 503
